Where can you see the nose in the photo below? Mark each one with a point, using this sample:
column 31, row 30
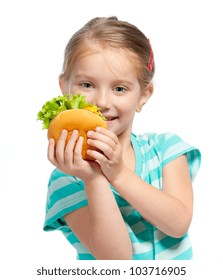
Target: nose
column 103, row 99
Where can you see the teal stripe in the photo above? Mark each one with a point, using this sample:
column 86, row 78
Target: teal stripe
column 63, row 193
column 138, row 238
column 194, row 161
column 133, row 237
column 143, row 236
column 144, row 256
column 187, row 255
column 66, row 202
column 85, row 257
column 133, row 219
column 167, row 242
column 72, row 238
column 58, row 174
column 55, row 223
column 171, row 139
column 141, row 256
column 120, row 201
column 155, row 174
column 172, row 157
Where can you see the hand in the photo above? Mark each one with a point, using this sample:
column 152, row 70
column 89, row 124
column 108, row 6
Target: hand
column 109, row 153
column 68, row 157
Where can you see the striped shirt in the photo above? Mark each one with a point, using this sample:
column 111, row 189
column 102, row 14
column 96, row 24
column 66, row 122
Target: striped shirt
column 152, row 151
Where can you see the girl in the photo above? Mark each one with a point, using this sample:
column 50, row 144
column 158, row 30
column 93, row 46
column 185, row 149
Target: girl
column 135, row 200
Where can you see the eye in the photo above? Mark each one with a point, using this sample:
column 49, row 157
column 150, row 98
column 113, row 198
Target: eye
column 120, row 89
column 86, row 85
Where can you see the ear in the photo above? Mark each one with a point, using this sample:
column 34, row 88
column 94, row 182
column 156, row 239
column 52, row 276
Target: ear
column 146, row 94
column 63, row 85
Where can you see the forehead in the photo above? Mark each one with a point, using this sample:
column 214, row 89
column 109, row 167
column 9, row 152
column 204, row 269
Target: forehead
column 115, row 57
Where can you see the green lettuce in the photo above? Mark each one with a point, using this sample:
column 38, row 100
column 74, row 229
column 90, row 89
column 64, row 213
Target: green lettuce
column 61, row 103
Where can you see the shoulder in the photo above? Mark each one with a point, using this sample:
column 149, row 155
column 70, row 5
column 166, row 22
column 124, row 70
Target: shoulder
column 161, row 141
column 167, row 147
column 65, row 194
column 157, row 142
column 65, row 190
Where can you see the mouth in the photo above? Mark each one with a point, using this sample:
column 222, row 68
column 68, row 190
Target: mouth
column 109, row 119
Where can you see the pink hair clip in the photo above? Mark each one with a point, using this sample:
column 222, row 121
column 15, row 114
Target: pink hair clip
column 150, row 62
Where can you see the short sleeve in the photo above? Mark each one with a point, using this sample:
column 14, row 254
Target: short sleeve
column 172, row 146
column 65, row 194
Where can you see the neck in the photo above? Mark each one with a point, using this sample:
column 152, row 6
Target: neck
column 125, row 141
column 127, row 151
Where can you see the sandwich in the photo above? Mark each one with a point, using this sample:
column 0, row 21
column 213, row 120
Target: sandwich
column 71, row 112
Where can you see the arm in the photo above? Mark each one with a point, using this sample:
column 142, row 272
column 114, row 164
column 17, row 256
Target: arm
column 99, row 226
column 102, row 229
column 170, row 210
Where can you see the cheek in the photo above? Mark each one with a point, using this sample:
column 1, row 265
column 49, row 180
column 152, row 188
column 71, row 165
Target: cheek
column 127, row 111
column 75, row 89
column 129, row 106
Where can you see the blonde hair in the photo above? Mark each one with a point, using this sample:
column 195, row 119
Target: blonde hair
column 111, row 32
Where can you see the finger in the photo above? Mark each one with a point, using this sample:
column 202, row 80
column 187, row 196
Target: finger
column 60, row 146
column 108, row 133
column 78, row 148
column 69, row 149
column 99, row 157
column 51, row 152
column 106, row 149
column 102, row 137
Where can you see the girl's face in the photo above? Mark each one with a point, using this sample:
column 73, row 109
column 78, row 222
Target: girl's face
column 107, row 78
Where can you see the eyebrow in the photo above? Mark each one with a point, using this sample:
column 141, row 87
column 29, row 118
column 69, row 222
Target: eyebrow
column 81, row 76
column 123, row 81
column 74, row 77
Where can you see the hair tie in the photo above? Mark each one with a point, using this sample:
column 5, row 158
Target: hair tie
column 150, row 62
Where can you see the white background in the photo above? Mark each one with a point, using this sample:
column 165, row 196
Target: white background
column 187, row 41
